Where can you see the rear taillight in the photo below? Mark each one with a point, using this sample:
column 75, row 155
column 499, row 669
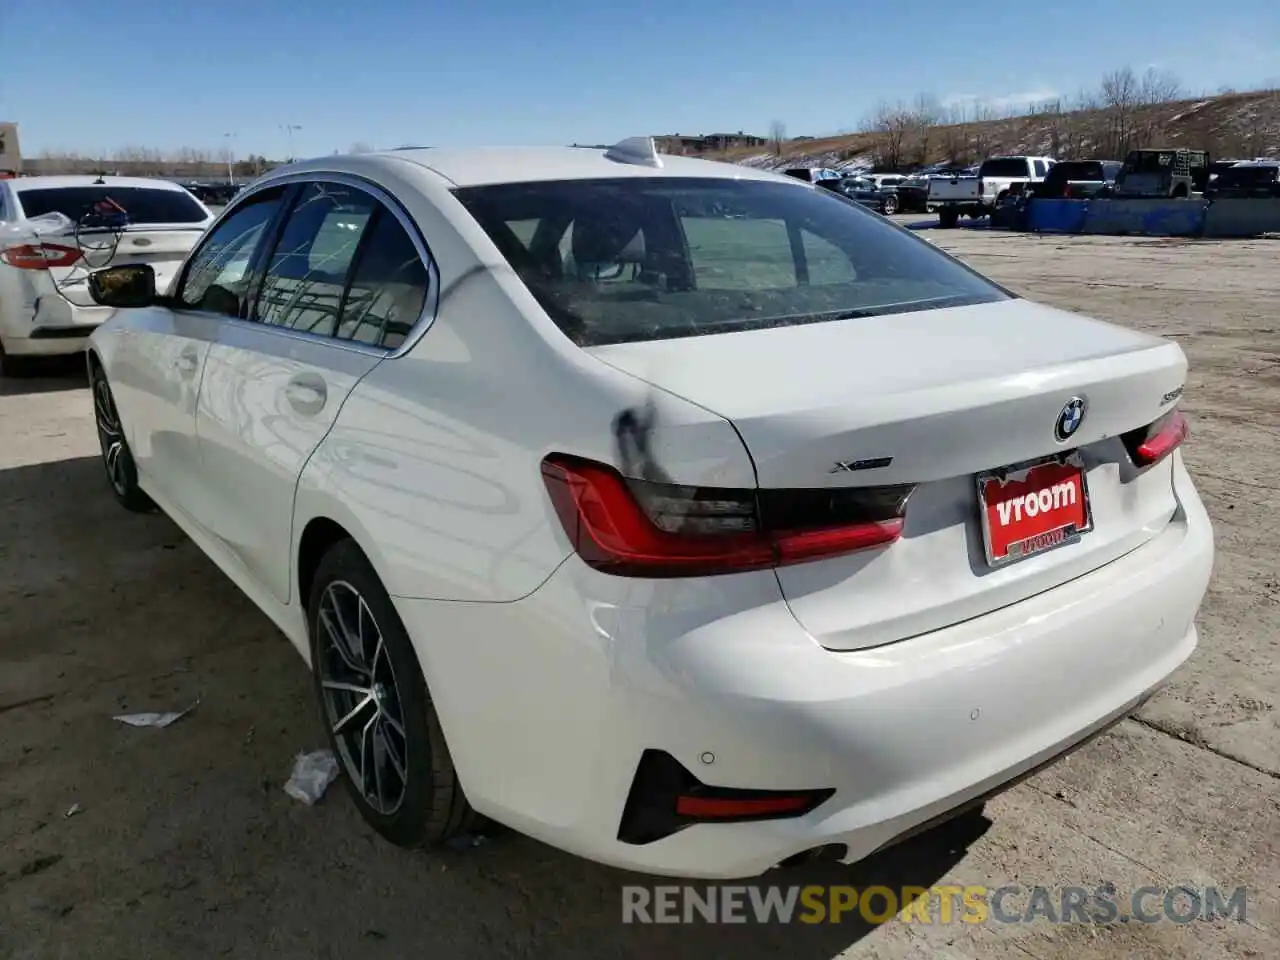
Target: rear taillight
column 39, row 256
column 980, row 188
column 639, row 528
column 1154, row 442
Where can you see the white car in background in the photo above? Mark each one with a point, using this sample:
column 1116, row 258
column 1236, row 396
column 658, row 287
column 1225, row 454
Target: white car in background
column 684, row 516
column 54, row 231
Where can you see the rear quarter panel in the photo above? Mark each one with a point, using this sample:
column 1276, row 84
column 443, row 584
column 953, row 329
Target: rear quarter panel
column 434, row 463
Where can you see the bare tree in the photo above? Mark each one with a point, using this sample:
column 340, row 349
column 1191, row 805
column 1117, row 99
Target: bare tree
column 1158, row 86
column 777, row 136
column 1120, row 95
column 889, row 126
column 925, row 115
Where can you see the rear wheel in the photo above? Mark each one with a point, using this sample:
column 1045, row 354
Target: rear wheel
column 890, row 206
column 122, row 473
column 948, row 218
column 376, row 708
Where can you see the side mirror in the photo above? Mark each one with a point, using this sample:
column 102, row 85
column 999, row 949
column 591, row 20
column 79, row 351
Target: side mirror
column 131, row 285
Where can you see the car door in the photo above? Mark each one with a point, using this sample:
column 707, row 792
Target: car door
column 160, row 353
column 328, row 310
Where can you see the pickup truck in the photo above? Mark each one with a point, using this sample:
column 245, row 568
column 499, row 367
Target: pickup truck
column 978, row 195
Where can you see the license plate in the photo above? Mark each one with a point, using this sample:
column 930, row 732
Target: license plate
column 1030, row 508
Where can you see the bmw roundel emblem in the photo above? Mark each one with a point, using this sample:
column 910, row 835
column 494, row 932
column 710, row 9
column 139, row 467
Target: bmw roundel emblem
column 1069, row 419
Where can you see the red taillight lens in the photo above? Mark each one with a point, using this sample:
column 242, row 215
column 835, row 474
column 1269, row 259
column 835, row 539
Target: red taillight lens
column 1153, row 443
column 39, row 256
column 644, row 529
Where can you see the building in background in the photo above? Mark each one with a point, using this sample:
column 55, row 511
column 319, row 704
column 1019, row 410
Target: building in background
column 10, row 155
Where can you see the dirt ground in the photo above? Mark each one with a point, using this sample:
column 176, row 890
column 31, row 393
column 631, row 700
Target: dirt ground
column 183, row 843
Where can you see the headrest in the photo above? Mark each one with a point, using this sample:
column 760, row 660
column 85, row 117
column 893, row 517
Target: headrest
column 608, row 240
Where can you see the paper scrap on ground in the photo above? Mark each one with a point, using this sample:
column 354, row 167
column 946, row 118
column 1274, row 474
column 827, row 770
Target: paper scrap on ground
column 312, row 774
column 154, row 719
column 72, row 811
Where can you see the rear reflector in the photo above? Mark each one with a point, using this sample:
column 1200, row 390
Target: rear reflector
column 666, row 798
column 39, row 256
column 639, row 528
column 1151, row 444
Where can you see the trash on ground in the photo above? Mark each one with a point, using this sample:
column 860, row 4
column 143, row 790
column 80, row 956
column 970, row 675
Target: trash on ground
column 72, row 811
column 312, row 774
column 154, row 719
column 465, row 841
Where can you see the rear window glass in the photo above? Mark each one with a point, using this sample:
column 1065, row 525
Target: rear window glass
column 1076, row 170
column 1004, row 167
column 1246, row 177
column 649, row 258
column 141, row 205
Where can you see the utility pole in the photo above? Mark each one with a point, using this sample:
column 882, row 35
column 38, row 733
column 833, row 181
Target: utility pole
column 231, row 157
column 288, row 129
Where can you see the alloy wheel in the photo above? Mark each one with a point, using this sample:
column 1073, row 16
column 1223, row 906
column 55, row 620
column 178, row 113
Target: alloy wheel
column 110, row 434
column 362, row 702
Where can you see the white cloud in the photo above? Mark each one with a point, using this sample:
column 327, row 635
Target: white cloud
column 1020, row 98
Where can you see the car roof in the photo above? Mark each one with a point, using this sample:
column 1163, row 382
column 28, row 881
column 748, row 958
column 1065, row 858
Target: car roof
column 19, row 184
column 477, row 166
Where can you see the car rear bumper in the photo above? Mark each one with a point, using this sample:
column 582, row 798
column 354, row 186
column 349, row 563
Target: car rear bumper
column 52, row 326
column 548, row 703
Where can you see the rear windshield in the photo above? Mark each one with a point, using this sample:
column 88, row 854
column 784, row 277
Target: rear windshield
column 1246, row 177
column 1004, row 167
column 142, row 205
column 648, row 258
column 1076, row 170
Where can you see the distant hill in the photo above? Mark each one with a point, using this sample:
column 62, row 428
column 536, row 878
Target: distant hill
column 1229, row 126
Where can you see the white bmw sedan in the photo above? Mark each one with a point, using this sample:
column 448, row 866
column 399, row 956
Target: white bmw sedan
column 683, row 516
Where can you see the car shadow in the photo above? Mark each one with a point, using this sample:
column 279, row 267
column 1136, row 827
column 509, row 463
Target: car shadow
column 920, row 862
column 103, row 608
column 47, row 375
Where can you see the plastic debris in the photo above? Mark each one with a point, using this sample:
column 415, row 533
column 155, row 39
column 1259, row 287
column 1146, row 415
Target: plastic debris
column 465, row 841
column 72, row 811
column 154, row 719
column 312, row 774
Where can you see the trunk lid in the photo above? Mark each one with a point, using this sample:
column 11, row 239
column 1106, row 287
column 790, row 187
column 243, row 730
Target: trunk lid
column 160, row 246
column 933, row 399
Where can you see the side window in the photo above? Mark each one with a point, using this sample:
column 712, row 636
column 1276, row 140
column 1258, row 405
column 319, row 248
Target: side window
column 1041, row 168
column 827, row 262
column 303, row 283
column 217, row 276
column 748, row 253
column 388, row 289
column 740, row 253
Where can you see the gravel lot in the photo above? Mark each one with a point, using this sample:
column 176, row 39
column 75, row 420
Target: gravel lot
column 184, row 843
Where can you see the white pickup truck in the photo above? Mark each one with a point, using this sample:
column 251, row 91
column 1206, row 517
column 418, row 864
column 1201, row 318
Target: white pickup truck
column 977, row 196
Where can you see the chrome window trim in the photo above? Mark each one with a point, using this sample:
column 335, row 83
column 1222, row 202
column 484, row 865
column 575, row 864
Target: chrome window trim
column 430, row 304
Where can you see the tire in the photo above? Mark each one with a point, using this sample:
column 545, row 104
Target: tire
column 948, row 218
column 890, row 206
column 117, row 460
column 410, row 795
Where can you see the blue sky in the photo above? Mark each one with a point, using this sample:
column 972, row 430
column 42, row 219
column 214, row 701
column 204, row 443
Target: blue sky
column 93, row 76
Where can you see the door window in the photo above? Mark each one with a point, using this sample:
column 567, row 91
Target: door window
column 1041, row 169
column 388, row 287
column 217, row 278
column 303, row 284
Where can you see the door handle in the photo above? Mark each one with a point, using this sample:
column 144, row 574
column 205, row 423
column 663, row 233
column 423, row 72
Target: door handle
column 306, row 393
column 187, row 363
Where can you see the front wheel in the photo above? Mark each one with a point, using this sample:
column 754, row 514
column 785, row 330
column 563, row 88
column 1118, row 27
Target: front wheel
column 890, row 206
column 376, row 707
column 122, row 473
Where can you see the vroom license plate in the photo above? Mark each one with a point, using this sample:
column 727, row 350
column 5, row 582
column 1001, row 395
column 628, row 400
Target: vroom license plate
column 1031, row 508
